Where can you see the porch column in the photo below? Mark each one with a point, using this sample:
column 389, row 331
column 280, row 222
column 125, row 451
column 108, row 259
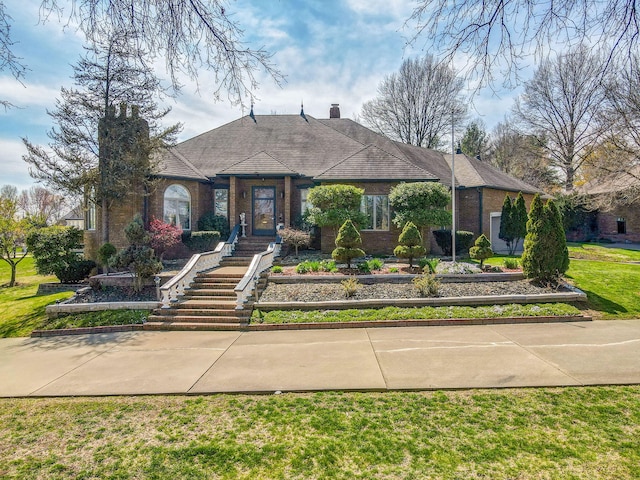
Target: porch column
column 233, row 191
column 287, row 201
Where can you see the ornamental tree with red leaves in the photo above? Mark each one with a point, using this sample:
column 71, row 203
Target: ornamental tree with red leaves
column 163, row 236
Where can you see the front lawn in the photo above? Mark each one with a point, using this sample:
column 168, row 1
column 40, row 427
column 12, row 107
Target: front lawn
column 581, row 433
column 21, row 310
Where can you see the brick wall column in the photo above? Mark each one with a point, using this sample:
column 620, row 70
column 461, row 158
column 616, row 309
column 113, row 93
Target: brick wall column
column 287, row 201
column 233, row 192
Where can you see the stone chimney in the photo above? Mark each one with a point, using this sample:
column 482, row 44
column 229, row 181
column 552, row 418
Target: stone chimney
column 334, row 112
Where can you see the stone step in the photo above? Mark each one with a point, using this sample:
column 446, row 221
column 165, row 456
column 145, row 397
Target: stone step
column 208, row 302
column 192, row 326
column 207, row 312
column 212, row 283
column 221, row 276
column 210, row 292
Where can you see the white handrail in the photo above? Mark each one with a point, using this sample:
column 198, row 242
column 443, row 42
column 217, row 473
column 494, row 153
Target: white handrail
column 259, row 264
column 199, row 262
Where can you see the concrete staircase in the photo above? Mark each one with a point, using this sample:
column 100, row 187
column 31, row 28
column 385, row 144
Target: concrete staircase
column 210, row 301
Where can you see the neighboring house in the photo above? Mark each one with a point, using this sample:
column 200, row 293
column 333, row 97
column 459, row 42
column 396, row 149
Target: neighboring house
column 618, row 199
column 75, row 218
column 264, row 165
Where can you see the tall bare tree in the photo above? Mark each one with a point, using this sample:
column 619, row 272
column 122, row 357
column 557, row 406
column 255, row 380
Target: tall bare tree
column 189, row 35
column 522, row 156
column 416, row 104
column 110, row 73
column 500, row 37
column 562, row 105
column 42, row 205
column 8, row 60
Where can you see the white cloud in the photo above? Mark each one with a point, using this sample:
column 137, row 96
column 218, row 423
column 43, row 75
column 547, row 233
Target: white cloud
column 14, row 170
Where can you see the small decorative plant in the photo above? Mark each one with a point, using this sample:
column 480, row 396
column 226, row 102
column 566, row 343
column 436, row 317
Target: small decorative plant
column 427, row 285
column 350, row 287
column 375, row 264
column 295, row 238
column 429, row 265
column 276, row 269
column 511, row 263
column 364, row 267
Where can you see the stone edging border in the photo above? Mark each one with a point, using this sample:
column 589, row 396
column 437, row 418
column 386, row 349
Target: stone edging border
column 262, row 327
column 86, row 330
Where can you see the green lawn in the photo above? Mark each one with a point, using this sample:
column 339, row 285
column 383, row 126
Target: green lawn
column 611, row 282
column 577, row 433
column 21, row 310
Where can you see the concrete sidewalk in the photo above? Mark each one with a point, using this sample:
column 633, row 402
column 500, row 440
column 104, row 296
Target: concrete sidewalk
column 550, row 354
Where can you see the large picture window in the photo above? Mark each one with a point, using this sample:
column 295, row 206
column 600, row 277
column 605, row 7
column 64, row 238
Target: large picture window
column 376, row 207
column 177, row 206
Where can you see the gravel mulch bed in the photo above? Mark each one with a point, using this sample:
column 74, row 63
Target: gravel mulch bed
column 115, row 294
column 317, row 292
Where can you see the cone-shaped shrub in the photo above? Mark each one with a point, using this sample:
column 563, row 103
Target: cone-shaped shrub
column 545, row 257
column 481, row 250
column 410, row 242
column 506, row 223
column 348, row 243
column 519, row 218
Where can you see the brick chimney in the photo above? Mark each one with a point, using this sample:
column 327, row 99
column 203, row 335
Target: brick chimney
column 334, row 112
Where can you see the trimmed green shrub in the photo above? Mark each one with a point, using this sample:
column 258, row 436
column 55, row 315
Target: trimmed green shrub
column 511, row 263
column 332, row 205
column 276, row 269
column 348, row 243
column 364, row 267
column 410, row 242
column 211, row 222
column 422, row 203
column 545, row 257
column 76, row 271
column 204, row 241
column 54, row 250
column 482, row 250
column 463, row 241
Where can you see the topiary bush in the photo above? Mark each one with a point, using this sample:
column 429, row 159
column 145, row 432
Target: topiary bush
column 410, row 244
column 348, row 244
column 76, row 271
column 482, row 250
column 463, row 241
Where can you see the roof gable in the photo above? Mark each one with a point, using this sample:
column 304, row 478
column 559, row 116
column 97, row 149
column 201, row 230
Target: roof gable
column 259, row 164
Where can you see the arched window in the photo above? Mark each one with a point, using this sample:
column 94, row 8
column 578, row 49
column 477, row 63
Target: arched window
column 177, row 206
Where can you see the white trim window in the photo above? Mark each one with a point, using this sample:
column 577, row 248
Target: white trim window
column 177, row 206
column 90, row 211
column 376, row 208
column 305, row 204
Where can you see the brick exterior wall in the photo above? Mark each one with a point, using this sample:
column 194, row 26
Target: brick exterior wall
column 608, row 224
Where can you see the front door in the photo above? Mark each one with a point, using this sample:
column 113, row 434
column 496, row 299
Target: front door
column 264, row 210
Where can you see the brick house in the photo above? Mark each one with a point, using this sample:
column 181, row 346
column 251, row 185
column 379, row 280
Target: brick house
column 264, row 165
column 617, row 217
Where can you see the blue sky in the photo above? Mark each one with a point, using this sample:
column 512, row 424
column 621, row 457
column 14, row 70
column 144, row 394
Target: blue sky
column 331, row 51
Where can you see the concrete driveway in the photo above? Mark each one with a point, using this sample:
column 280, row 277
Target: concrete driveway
column 131, row 363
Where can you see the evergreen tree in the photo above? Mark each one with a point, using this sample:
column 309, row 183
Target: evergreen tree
column 545, row 257
column 410, row 242
column 348, row 244
column 519, row 220
column 506, row 223
column 481, row 250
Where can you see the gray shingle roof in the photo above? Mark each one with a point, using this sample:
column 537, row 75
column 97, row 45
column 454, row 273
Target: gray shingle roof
column 328, row 149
